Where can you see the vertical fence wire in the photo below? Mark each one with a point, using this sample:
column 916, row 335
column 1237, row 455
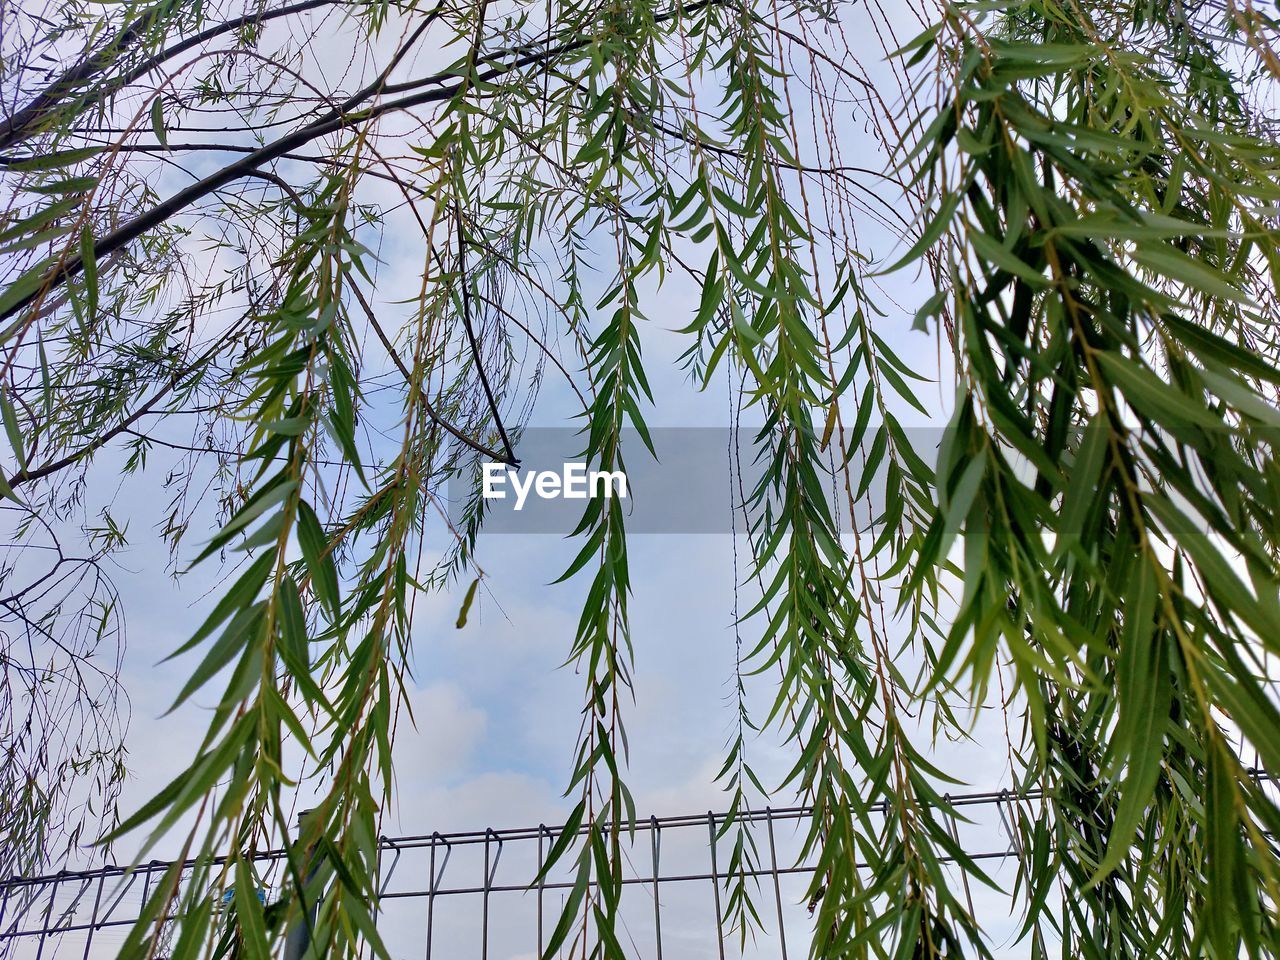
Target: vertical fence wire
column 93, row 917
column 543, row 833
column 490, row 870
column 777, row 880
column 48, row 913
column 715, row 882
column 433, row 884
column 655, row 844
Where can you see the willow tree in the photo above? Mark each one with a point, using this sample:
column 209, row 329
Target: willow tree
column 198, row 204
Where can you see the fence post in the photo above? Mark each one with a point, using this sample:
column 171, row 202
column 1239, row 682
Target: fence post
column 298, row 940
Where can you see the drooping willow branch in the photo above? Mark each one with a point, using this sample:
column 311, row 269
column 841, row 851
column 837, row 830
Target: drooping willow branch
column 27, row 120
column 165, row 210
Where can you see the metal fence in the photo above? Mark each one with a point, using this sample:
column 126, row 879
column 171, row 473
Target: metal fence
column 471, row 894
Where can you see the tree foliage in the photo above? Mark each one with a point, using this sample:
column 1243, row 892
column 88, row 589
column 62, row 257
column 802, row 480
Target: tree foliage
column 201, row 199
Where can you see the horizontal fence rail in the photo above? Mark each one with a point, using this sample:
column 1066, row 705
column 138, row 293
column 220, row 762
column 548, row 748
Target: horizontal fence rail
column 475, row 894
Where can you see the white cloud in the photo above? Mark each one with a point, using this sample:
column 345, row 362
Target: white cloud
column 439, row 741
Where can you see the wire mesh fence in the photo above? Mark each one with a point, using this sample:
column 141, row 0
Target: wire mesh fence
column 475, row 894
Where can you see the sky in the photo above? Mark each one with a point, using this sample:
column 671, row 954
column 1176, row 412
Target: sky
column 496, row 711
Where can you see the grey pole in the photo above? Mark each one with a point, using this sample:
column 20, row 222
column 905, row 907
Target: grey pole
column 298, row 940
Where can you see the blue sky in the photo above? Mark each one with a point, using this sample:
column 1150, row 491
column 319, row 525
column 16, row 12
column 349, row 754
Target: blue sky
column 497, row 714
